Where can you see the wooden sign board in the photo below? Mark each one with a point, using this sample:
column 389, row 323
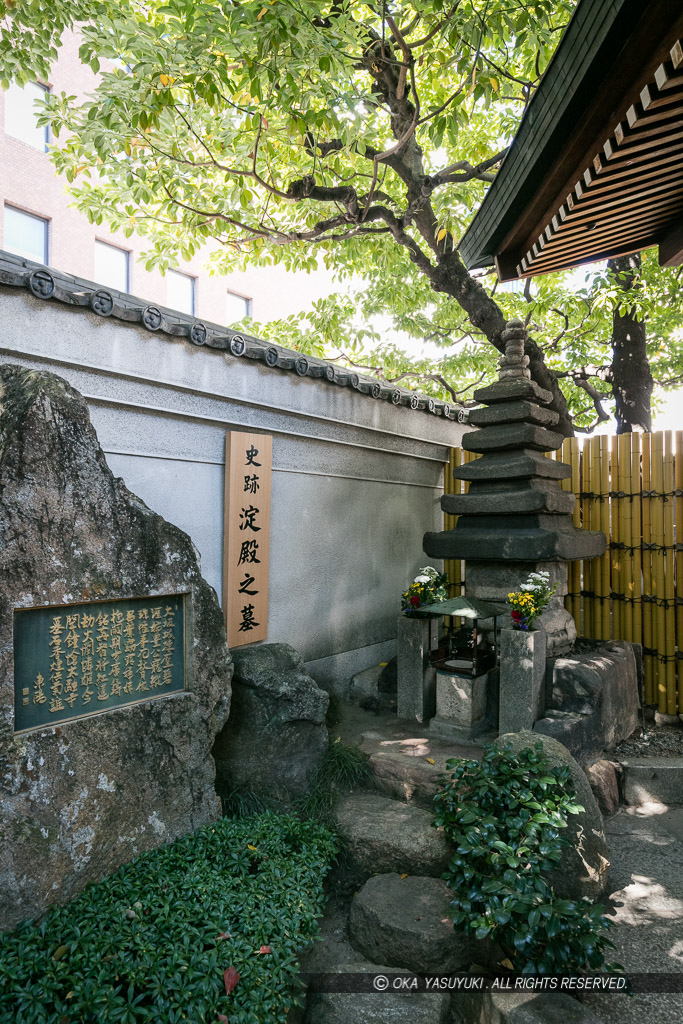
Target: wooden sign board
column 246, row 536
column 75, row 660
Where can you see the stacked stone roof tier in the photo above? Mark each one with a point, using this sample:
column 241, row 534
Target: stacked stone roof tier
column 515, row 509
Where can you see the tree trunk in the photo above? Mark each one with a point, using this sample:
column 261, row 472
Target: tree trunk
column 452, row 278
column 630, row 371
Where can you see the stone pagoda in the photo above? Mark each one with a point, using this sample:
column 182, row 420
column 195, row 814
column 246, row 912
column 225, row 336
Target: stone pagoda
column 515, row 519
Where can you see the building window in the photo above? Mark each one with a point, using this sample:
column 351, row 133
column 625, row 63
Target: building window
column 21, row 115
column 111, row 266
column 238, row 308
column 25, row 234
column 180, row 291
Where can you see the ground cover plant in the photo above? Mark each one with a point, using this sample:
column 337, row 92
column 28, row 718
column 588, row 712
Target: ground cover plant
column 205, row 929
column 506, row 814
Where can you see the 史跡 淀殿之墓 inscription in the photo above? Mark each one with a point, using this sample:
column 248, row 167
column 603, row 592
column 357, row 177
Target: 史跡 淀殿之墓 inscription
column 81, row 659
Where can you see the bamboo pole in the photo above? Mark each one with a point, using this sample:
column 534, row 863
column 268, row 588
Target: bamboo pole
column 649, row 663
column 624, row 446
column 575, row 567
column 588, row 525
column 604, row 564
column 678, row 477
column 658, row 565
column 615, row 538
column 596, row 616
column 637, row 540
column 668, row 650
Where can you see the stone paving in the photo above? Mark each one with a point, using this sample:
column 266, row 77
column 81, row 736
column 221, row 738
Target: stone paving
column 646, row 853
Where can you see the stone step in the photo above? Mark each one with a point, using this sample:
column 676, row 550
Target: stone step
column 653, row 780
column 523, row 1008
column 406, row 922
column 412, row 780
column 408, row 767
column 381, row 835
column 374, row 1005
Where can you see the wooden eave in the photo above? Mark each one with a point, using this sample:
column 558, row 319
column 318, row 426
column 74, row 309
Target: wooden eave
column 615, row 185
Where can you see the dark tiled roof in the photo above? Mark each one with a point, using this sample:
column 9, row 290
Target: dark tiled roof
column 47, row 283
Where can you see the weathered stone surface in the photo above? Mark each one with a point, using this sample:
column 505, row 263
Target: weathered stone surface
column 365, row 683
column 513, row 412
column 81, row 798
column 593, row 700
column 416, row 693
column 653, row 780
column 460, row 706
column 406, row 922
column 583, row 869
column 522, row 1008
column 512, row 466
column 486, row 539
column 382, row 835
column 509, row 502
column 493, row 581
column 510, row 436
column 603, row 777
column 522, row 679
column 410, row 779
column 276, row 736
column 513, row 391
column 376, row 1007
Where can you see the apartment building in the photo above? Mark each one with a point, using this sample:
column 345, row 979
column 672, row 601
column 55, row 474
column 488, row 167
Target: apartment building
column 37, row 221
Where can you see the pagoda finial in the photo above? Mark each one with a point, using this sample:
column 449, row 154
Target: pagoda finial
column 514, row 363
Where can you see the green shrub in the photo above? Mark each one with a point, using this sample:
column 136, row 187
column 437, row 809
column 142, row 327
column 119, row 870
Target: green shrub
column 505, row 814
column 152, row 942
column 343, row 767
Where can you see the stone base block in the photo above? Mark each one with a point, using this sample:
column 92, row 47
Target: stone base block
column 522, row 679
column 460, row 706
column 444, row 729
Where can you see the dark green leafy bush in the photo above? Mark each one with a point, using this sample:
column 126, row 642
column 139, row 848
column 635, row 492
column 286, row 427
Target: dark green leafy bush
column 152, row 942
column 505, row 814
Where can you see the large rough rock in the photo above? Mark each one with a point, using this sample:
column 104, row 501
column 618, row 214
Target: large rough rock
column 81, row 798
column 384, row 1005
column 584, row 865
column 382, row 836
column 603, row 777
column 276, row 736
column 593, row 701
column 406, row 922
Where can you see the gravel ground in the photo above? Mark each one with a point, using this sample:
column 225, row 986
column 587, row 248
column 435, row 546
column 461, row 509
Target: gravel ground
column 658, row 741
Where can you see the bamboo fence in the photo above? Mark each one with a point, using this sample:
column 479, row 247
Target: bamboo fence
column 630, row 487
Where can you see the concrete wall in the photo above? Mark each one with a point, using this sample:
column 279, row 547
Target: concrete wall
column 356, row 481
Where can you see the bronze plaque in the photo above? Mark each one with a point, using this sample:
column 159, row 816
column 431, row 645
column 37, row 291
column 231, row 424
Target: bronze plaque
column 75, row 660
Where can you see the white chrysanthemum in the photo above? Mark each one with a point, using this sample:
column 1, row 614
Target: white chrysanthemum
column 422, row 579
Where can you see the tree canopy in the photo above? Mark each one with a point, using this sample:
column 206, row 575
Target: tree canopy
column 356, row 135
